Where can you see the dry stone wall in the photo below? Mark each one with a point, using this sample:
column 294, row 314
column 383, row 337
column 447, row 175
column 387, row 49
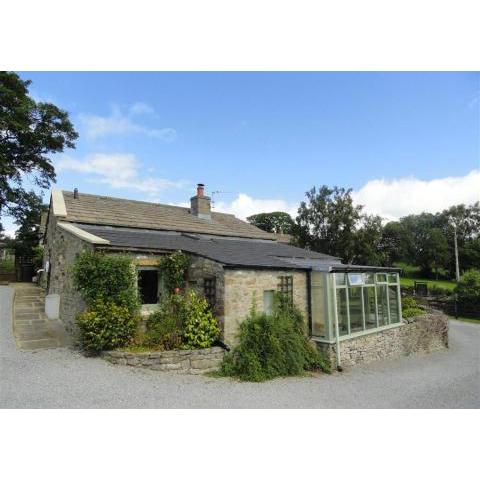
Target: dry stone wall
column 422, row 334
column 181, row 361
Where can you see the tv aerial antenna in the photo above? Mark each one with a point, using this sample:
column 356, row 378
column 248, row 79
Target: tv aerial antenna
column 217, row 192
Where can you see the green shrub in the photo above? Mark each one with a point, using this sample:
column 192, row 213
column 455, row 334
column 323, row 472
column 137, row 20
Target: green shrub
column 105, row 326
column 410, row 302
column 272, row 346
column 468, row 291
column 110, row 278
column 164, row 326
column 174, row 271
column 200, row 327
column 412, row 312
column 7, row 265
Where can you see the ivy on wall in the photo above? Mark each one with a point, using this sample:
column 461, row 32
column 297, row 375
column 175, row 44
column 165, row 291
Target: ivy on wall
column 174, row 269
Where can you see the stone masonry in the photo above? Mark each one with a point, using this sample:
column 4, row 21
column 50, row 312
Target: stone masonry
column 422, row 334
column 180, row 361
column 61, row 249
column 242, row 287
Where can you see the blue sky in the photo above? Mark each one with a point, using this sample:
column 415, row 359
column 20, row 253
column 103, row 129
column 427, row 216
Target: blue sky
column 265, row 138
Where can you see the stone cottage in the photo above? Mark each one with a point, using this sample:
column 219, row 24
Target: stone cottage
column 232, row 263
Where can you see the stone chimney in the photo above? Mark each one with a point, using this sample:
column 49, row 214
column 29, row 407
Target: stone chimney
column 200, row 204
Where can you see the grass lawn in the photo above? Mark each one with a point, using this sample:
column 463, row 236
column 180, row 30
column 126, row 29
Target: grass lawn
column 409, row 282
column 466, row 319
column 412, row 274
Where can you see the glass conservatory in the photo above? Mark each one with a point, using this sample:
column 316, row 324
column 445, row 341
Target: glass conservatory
column 350, row 303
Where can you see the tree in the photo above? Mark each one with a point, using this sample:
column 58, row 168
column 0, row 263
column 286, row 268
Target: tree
column 435, row 253
column 369, row 249
column 396, row 243
column 29, row 132
column 327, row 222
column 274, row 222
column 28, row 215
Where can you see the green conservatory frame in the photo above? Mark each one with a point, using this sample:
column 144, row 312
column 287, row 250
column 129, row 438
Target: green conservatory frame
column 353, row 302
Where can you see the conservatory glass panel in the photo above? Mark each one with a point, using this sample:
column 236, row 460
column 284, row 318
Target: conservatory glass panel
column 392, row 278
column 340, row 279
column 355, row 305
column 318, row 304
column 382, row 305
column 393, row 298
column 342, row 311
column 369, row 306
column 381, row 277
column 355, row 279
column 369, row 278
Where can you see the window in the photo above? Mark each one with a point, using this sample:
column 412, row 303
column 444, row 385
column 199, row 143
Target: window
column 268, row 299
column 365, row 301
column 393, row 302
column 342, row 311
column 355, row 279
column 148, row 285
column 285, row 287
column 355, row 308
column 210, row 291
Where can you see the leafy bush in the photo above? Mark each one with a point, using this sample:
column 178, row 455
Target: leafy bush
column 410, row 302
column 468, row 290
column 105, row 326
column 110, row 278
column 437, row 291
column 272, row 346
column 412, row 312
column 182, row 321
column 174, row 271
column 7, row 265
column 164, row 326
column 200, row 327
column 410, row 308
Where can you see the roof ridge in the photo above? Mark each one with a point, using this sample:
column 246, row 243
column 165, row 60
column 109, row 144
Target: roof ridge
column 141, row 201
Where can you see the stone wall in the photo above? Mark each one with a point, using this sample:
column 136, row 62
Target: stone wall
column 181, row 361
column 242, row 286
column 422, row 334
column 61, row 249
column 202, row 268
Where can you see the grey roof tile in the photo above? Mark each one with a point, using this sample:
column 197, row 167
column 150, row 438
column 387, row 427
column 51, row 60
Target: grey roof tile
column 101, row 210
column 227, row 250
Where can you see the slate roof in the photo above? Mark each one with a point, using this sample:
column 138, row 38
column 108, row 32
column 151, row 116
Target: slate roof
column 101, row 210
column 229, row 251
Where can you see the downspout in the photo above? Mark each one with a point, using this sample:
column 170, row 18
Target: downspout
column 337, row 335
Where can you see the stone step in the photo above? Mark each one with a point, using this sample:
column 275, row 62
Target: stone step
column 36, row 344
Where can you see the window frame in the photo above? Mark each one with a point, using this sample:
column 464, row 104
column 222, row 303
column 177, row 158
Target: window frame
column 210, row 291
column 386, row 279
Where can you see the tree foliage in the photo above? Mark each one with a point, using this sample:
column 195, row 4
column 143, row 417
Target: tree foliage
column 327, row 222
column 30, row 131
column 274, row 222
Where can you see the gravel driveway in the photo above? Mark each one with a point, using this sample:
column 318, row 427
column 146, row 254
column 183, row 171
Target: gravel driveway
column 63, row 378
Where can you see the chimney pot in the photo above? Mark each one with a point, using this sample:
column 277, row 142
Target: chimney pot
column 200, row 190
column 75, row 193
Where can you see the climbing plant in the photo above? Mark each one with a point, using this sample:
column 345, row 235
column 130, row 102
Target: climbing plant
column 174, row 271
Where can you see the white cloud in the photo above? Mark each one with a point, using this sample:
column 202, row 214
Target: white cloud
column 119, row 123
column 141, row 108
column 396, row 198
column 243, row 206
column 119, row 170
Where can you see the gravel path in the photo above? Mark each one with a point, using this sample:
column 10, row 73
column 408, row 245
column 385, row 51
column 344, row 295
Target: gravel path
column 63, row 378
